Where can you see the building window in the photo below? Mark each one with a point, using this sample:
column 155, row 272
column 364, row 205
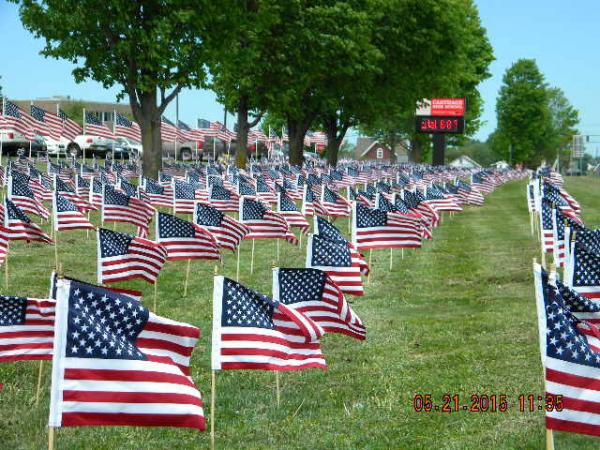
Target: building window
column 108, row 116
column 379, row 153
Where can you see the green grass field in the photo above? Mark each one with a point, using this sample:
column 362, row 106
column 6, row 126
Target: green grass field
column 457, row 316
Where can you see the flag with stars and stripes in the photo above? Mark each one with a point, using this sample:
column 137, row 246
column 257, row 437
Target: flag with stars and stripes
column 124, row 257
column 288, row 209
column 334, row 204
column 4, row 238
column 118, row 207
column 20, row 227
column 570, row 350
column 228, row 232
column 70, row 129
column 311, row 205
column 264, row 223
column 335, row 258
column 46, row 123
column 14, row 118
column 69, row 192
column 26, row 328
column 157, row 194
column 185, row 240
column 127, row 128
column 313, row 293
column 116, row 363
column 96, row 192
column 94, row 127
column 545, row 215
column 582, row 272
column 184, row 196
column 21, row 194
column 264, row 193
column 67, row 216
column 223, row 199
column 374, row 228
column 252, row 331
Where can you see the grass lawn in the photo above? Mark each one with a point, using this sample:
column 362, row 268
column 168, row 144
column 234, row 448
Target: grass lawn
column 457, row 316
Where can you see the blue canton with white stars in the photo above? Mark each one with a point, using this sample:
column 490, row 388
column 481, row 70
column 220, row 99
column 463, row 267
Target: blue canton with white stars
column 329, row 231
column 103, row 325
column 112, row 197
column 184, row 191
column 113, row 243
column 369, row 218
column 219, row 193
column 301, row 285
column 243, row 307
column 253, row 210
column 171, row 226
column 63, row 204
column 587, row 267
column 286, row 203
column 326, row 252
column 15, row 213
column 13, row 311
column 208, row 216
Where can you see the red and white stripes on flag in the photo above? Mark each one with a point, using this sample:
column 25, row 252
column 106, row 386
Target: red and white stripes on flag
column 26, row 328
column 264, row 223
column 4, row 238
column 66, row 215
column 251, row 331
column 313, row 293
column 20, row 227
column 142, row 379
column 123, row 257
column 185, row 240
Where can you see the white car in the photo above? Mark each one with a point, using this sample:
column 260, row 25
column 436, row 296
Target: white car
column 83, row 145
column 12, row 140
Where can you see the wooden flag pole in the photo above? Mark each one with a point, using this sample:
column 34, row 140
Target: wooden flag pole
column 277, row 249
column 370, row 267
column 87, row 230
column 531, row 222
column 155, row 294
column 51, row 438
column 56, row 249
column 237, row 269
column 213, row 395
column 278, row 390
column 187, row 277
column 391, row 258
column 6, row 272
column 402, row 253
column 549, row 439
column 39, row 383
column 300, row 239
column 252, row 258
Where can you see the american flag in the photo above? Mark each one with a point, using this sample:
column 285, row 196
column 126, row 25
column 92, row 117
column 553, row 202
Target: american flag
column 4, row 238
column 439, row 201
column 69, row 192
column 374, row 228
column 556, row 196
column 127, row 128
column 223, row 199
column 583, row 267
column 291, row 189
column 26, row 328
column 334, row 204
column 157, row 195
column 185, row 240
column 469, row 194
column 20, row 192
column 313, row 293
column 546, row 212
column 20, row 227
column 569, row 344
column 96, row 191
column 82, row 187
column 360, row 196
column 310, row 204
column 252, row 331
column 70, row 128
column 46, row 123
column 227, row 231
column 264, row 223
column 66, row 215
column 337, row 260
column 186, row 133
column 245, row 188
column 116, row 363
column 288, row 209
column 94, row 127
column 415, row 201
column 184, row 196
column 118, row 207
column 168, row 130
column 15, row 119
column 124, row 257
column 264, row 192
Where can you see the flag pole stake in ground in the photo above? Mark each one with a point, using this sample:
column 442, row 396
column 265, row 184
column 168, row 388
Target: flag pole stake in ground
column 237, row 269
column 391, row 258
column 213, row 395
column 252, row 258
column 39, row 383
column 51, row 431
column 155, row 294
column 187, row 277
column 370, row 266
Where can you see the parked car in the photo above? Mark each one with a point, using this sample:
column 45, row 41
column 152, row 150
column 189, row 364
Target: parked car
column 13, row 141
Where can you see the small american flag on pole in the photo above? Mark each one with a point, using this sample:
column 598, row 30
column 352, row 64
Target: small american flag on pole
column 185, row 240
column 374, row 228
column 124, row 257
column 288, row 209
column 70, row 128
column 126, row 128
column 264, row 223
column 66, row 215
column 313, row 293
column 95, row 128
column 46, row 123
column 252, row 331
column 118, row 207
column 20, row 192
column 115, row 363
column 334, row 204
column 227, row 231
column 26, row 328
column 337, row 260
column 223, row 199
column 20, row 227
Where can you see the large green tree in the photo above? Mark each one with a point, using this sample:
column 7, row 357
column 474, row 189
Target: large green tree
column 151, row 49
column 523, row 113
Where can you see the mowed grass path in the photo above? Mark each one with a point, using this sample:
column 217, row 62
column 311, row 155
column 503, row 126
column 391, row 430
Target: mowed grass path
column 457, row 316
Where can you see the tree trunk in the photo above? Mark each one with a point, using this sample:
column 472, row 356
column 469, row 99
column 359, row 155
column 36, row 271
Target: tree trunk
column 148, row 118
column 296, row 132
column 416, row 150
column 334, row 139
column 241, row 153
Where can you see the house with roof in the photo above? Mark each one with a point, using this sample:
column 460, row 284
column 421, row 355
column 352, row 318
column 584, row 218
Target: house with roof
column 370, row 149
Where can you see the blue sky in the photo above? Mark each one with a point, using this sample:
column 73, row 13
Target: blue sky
column 563, row 36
